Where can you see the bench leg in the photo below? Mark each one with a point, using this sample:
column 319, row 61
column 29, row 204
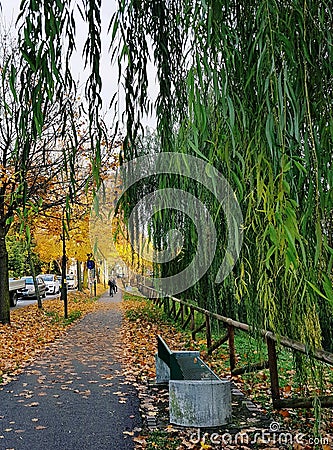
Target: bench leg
column 162, row 371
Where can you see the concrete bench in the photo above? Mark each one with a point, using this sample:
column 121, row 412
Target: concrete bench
column 197, row 396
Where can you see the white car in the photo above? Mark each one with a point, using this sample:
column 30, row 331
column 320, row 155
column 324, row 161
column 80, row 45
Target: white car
column 71, row 281
column 52, row 283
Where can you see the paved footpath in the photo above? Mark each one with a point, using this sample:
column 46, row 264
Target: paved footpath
column 75, row 395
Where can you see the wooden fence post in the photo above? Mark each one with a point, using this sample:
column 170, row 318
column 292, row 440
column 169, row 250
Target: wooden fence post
column 173, row 308
column 192, row 317
column 232, row 353
column 208, row 332
column 273, row 370
column 178, row 313
column 166, row 306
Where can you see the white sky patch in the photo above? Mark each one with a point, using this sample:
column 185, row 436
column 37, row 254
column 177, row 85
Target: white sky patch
column 109, row 72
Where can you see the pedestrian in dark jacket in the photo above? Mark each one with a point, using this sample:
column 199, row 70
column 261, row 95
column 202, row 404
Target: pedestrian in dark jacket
column 115, row 288
column 111, row 286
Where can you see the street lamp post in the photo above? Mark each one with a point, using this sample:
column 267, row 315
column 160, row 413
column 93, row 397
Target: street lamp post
column 64, row 270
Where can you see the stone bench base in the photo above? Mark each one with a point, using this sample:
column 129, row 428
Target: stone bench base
column 200, row 403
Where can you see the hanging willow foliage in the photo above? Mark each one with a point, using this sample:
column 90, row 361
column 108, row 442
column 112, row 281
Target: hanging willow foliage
column 46, row 75
column 247, row 86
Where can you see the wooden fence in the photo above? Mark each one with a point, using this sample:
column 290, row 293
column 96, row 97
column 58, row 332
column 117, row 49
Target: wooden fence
column 183, row 311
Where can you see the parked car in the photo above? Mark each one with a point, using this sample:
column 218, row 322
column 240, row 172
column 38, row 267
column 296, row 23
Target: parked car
column 71, row 281
column 52, row 283
column 14, row 290
column 29, row 290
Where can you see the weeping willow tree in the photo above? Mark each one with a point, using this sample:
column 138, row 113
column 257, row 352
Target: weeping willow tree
column 247, row 87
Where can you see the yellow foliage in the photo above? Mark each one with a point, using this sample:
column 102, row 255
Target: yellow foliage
column 48, row 235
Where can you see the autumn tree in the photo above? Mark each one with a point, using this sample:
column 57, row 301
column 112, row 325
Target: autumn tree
column 48, row 234
column 39, row 157
column 18, row 264
column 72, row 221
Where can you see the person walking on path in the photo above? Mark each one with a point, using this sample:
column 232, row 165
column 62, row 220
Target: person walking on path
column 112, row 287
column 74, row 396
column 110, row 284
column 115, row 288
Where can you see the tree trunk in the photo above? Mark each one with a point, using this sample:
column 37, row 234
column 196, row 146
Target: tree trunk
column 33, row 273
column 4, row 283
column 78, row 273
column 85, row 277
column 64, row 272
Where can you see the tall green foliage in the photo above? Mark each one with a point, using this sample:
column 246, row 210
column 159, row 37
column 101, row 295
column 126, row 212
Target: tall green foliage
column 247, row 86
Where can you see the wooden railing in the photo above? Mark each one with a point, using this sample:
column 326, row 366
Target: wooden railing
column 186, row 314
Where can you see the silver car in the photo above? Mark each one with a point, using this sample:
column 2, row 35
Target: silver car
column 29, row 290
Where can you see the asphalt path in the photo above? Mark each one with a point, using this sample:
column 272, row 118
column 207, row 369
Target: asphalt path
column 75, row 395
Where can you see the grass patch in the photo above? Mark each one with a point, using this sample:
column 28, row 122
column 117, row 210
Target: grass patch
column 56, row 318
column 161, row 439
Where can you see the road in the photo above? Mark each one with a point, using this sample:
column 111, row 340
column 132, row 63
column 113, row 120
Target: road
column 24, row 302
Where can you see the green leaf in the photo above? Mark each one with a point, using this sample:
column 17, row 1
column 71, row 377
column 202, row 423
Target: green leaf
column 197, row 151
column 28, row 235
column 317, row 291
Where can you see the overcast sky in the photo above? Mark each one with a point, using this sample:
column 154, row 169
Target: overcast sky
column 10, row 9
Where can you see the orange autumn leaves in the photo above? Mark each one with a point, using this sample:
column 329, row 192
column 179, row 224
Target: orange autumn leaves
column 32, row 330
